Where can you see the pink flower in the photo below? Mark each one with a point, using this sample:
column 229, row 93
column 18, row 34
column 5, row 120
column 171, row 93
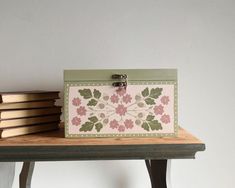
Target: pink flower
column 121, row 128
column 114, row 124
column 114, row 98
column 76, row 121
column 128, row 123
column 76, row 101
column 121, row 91
column 127, row 98
column 158, row 109
column 165, row 100
column 81, row 111
column 165, row 119
column 121, row 110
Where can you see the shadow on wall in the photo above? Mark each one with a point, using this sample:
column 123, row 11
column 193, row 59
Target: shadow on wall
column 120, row 178
column 114, row 173
column 7, row 173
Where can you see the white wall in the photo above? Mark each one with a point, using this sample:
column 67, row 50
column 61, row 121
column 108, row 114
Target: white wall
column 38, row 39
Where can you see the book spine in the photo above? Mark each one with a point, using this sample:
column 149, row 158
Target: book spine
column 30, row 130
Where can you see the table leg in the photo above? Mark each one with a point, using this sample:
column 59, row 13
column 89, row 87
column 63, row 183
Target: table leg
column 26, row 174
column 157, row 171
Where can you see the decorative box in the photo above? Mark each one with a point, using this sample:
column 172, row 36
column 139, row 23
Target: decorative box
column 120, row 103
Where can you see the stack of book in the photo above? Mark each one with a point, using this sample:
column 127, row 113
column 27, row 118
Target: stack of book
column 28, row 112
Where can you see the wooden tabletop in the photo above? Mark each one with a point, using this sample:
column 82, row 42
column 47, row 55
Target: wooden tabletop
column 52, row 146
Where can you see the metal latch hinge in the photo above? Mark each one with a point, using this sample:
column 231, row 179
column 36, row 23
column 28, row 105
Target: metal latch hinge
column 123, row 80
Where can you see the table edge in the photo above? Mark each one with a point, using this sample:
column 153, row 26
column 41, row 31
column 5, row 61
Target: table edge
column 101, row 152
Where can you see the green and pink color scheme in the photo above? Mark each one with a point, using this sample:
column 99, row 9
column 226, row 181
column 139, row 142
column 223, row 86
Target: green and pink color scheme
column 147, row 107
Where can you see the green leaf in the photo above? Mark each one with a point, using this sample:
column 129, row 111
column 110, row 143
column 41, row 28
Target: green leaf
column 155, row 92
column 86, row 93
column 97, row 93
column 93, row 119
column 145, row 92
column 92, row 102
column 145, row 126
column 150, row 118
column 149, row 101
column 98, row 126
column 87, row 126
column 155, row 125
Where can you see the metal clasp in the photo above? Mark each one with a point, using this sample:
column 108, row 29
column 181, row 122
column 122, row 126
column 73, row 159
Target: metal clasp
column 122, row 78
column 119, row 76
column 119, row 84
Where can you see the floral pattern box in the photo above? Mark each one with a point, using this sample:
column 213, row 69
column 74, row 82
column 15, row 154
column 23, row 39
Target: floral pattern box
column 120, row 103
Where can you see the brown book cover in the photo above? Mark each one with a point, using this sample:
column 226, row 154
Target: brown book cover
column 27, row 105
column 12, row 114
column 29, row 121
column 24, row 96
column 11, row 132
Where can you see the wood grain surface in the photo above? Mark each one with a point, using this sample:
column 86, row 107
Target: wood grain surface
column 52, row 146
column 56, row 138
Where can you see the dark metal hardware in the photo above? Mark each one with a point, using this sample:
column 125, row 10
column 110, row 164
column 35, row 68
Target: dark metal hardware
column 120, row 84
column 122, row 78
column 119, row 76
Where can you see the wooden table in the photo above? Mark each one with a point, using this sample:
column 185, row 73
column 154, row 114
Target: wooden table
column 52, row 146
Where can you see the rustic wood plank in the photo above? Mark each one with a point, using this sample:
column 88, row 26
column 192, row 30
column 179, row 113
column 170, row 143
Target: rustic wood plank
column 52, row 146
column 56, row 138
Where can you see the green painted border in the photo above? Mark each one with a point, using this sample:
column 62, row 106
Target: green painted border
column 67, row 85
column 104, row 75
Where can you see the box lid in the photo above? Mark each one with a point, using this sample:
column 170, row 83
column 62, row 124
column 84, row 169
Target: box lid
column 133, row 74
